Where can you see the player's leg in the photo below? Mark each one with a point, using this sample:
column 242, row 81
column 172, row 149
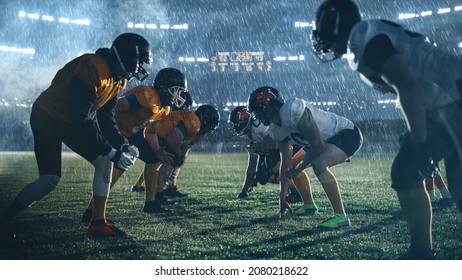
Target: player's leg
column 415, row 205
column 153, row 200
column 303, row 185
column 138, row 186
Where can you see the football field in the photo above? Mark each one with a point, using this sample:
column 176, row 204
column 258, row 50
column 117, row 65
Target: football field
column 212, row 223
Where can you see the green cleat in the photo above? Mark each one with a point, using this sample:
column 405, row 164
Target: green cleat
column 306, row 209
column 336, row 221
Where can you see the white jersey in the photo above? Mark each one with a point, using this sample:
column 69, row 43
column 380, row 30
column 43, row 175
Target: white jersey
column 258, row 131
column 291, row 112
column 424, row 59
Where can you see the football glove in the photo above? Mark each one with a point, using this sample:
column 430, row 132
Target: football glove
column 125, row 160
column 130, row 149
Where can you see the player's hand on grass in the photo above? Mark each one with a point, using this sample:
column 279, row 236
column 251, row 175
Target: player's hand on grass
column 164, row 156
column 283, row 206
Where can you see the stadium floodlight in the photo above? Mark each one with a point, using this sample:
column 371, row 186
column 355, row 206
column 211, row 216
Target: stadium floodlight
column 202, row 59
column 17, row 50
column 190, row 59
column 280, row 58
column 48, row 18
column 292, row 57
column 407, row 15
column 444, row 10
column 22, row 14
column 165, row 26
column 426, row 13
column 181, row 59
column 81, row 21
column 302, row 24
column 33, row 16
column 457, row 8
column 460, row 45
column 64, row 20
column 151, row 26
column 139, row 25
column 301, row 57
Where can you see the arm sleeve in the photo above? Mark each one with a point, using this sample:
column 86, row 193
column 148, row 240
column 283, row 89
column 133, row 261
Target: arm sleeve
column 378, row 51
column 107, row 124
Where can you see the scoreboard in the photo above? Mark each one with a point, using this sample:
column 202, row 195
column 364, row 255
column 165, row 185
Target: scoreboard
column 229, row 62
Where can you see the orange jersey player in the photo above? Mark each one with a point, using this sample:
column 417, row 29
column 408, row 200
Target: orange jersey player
column 74, row 110
column 176, row 133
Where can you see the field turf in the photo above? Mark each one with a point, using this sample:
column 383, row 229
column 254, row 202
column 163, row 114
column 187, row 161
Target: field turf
column 212, row 223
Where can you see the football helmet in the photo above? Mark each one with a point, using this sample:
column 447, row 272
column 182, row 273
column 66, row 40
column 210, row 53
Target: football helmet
column 264, row 102
column 333, row 22
column 131, row 51
column 170, row 84
column 188, row 101
column 209, row 117
column 240, row 119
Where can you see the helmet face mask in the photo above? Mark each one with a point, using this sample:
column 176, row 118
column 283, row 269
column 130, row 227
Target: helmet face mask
column 240, row 119
column 177, row 94
column 131, row 51
column 171, row 85
column 264, row 103
column 333, row 22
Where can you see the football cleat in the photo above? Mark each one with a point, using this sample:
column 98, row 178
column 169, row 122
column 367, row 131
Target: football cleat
column 154, row 207
column 445, row 203
column 242, row 195
column 104, row 228
column 174, row 193
column 336, row 221
column 306, row 209
column 138, row 188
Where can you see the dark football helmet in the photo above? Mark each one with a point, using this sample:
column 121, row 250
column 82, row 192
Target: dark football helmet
column 170, row 84
column 264, row 102
column 332, row 25
column 187, row 103
column 241, row 119
column 209, row 117
column 131, row 51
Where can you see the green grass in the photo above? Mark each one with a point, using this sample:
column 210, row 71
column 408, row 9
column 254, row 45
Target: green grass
column 212, row 223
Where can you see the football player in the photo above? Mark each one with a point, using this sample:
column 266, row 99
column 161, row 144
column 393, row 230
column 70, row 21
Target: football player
column 172, row 190
column 428, row 83
column 176, row 133
column 142, row 106
column 71, row 111
column 264, row 159
column 327, row 138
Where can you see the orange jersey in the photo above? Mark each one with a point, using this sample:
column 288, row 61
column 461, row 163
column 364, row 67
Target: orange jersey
column 190, row 120
column 149, row 108
column 94, row 72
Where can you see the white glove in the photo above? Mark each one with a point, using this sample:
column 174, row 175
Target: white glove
column 123, row 160
column 130, row 149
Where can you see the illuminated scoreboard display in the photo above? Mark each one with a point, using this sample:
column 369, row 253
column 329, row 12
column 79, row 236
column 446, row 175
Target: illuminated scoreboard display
column 226, row 62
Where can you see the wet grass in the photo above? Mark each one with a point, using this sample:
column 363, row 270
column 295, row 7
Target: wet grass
column 211, row 223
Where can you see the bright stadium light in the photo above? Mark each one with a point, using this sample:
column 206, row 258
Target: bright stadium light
column 202, row 59
column 457, row 8
column 30, row 51
column 64, row 20
column 33, row 16
column 48, row 18
column 151, row 26
column 139, row 25
column 22, row 14
column 165, row 26
column 280, row 58
column 444, row 10
column 460, row 45
column 426, row 13
column 81, row 21
column 190, row 59
column 181, row 59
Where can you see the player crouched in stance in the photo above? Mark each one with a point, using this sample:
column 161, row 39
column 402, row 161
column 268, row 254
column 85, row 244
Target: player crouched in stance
column 176, row 133
column 327, row 138
column 139, row 107
column 428, row 83
column 70, row 112
column 264, row 159
column 171, row 190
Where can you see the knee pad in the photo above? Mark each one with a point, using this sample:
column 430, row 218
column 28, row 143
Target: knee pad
column 38, row 189
column 103, row 176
